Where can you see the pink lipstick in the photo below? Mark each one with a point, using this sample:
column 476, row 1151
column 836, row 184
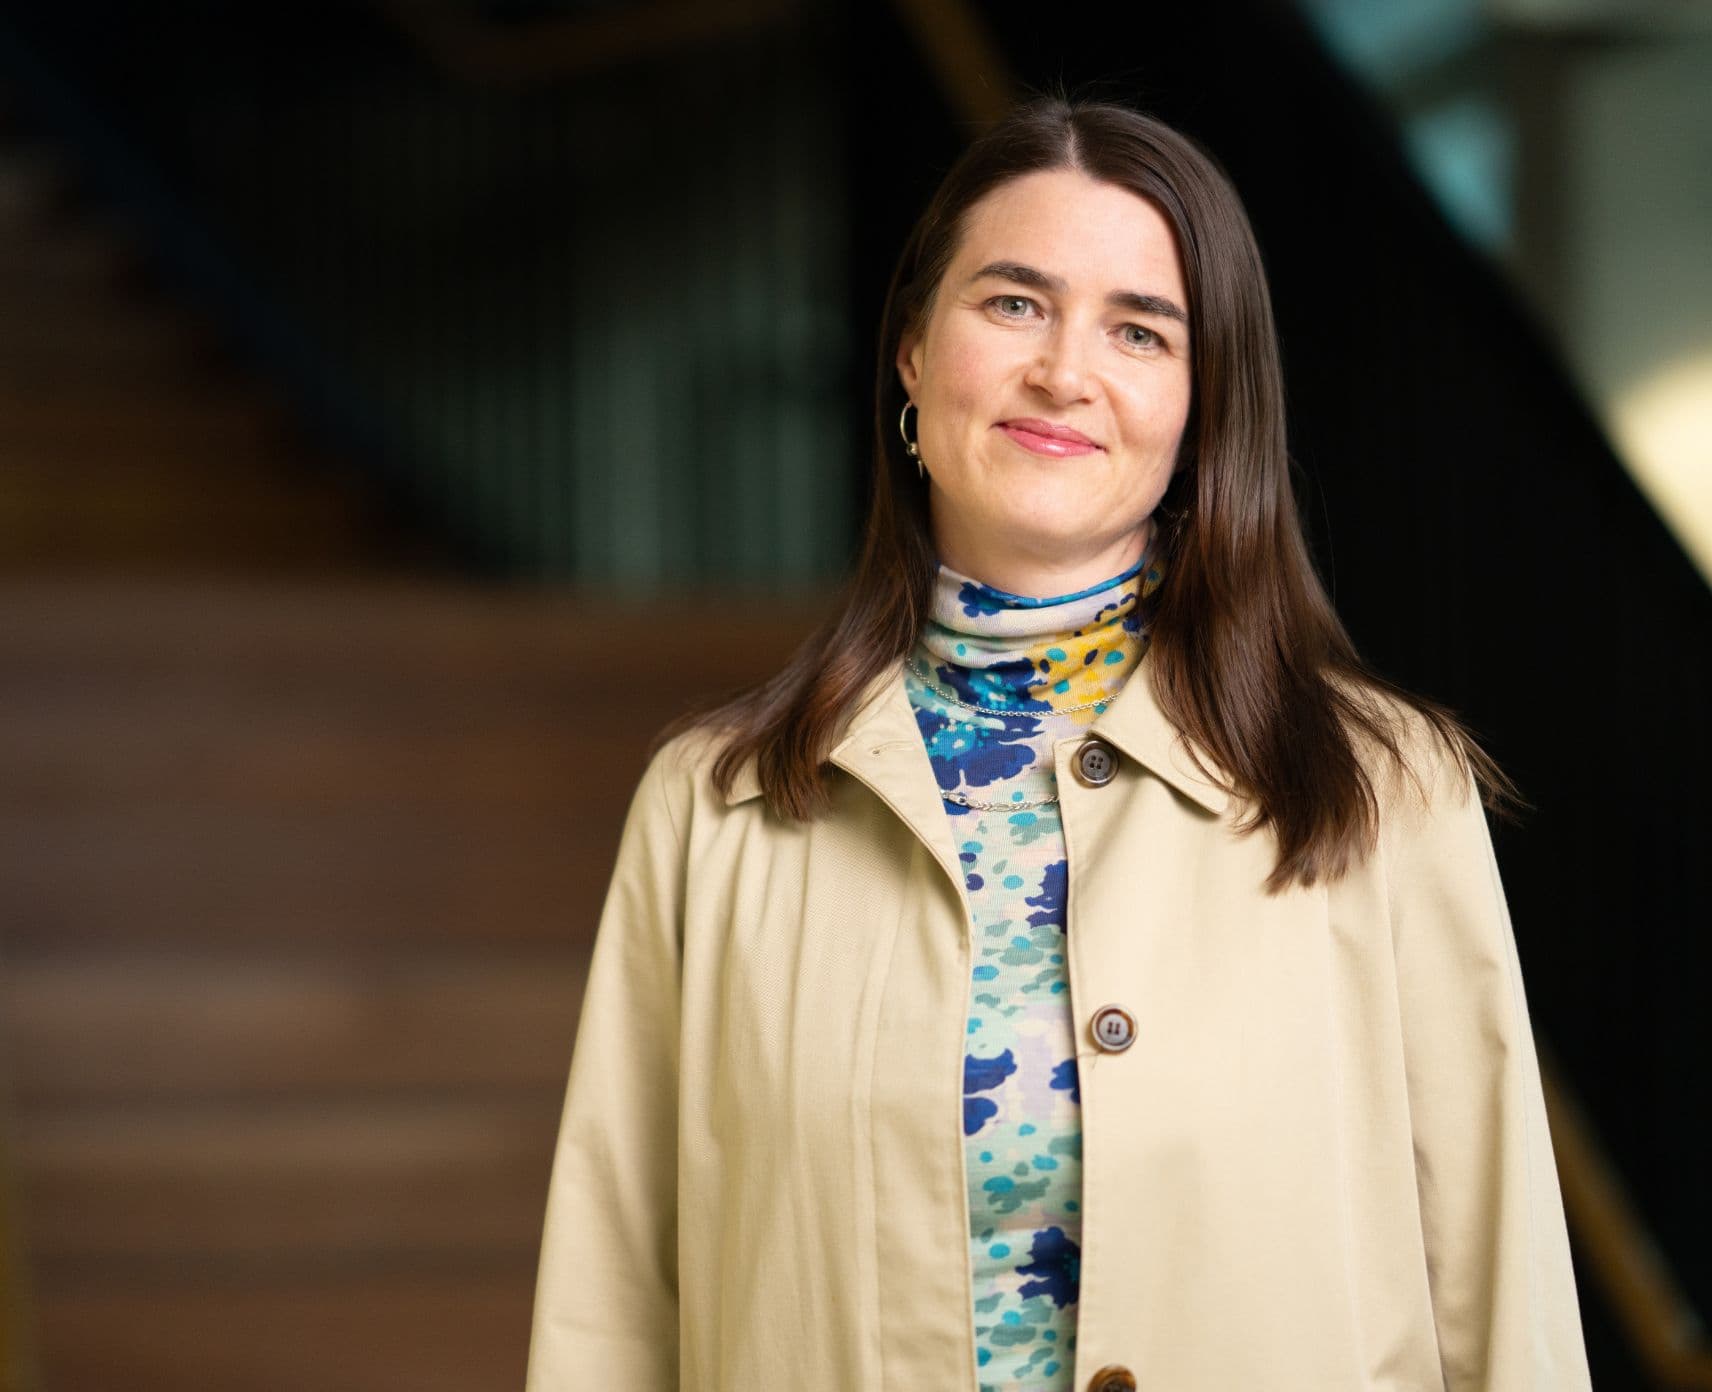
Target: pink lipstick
column 1043, row 437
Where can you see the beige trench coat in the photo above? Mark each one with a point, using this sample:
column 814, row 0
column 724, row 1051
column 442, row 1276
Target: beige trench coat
column 1322, row 1166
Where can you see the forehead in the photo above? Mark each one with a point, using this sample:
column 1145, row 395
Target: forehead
column 1097, row 235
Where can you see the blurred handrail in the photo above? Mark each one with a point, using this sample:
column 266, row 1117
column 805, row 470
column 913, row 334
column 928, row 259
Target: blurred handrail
column 1655, row 1316
column 960, row 51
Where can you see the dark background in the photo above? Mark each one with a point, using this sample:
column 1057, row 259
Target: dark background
column 407, row 408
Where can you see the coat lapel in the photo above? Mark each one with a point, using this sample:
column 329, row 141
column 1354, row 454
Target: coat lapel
column 1139, row 727
column 883, row 747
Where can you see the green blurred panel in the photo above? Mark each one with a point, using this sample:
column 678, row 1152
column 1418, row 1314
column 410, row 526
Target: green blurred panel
column 603, row 319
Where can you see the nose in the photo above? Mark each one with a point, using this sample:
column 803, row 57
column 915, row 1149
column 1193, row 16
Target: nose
column 1060, row 370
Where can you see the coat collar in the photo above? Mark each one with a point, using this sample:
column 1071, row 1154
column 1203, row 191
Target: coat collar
column 883, row 721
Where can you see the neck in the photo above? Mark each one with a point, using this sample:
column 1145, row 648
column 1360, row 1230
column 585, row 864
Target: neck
column 1014, row 570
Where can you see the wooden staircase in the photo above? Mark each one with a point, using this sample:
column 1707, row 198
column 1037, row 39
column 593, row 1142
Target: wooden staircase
column 130, row 438
column 301, row 881
column 302, row 844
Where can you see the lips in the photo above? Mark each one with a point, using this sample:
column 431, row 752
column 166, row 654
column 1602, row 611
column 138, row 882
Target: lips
column 1043, row 437
column 1035, row 426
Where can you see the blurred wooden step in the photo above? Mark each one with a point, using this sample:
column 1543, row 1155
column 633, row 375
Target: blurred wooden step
column 34, row 185
column 201, row 370
column 430, row 757
column 103, row 533
column 435, row 1178
column 167, row 877
column 189, row 484
column 279, row 469
column 211, row 550
column 138, row 1029
column 119, row 420
column 77, row 257
column 283, row 458
column 87, row 340
column 407, row 628
column 403, row 1328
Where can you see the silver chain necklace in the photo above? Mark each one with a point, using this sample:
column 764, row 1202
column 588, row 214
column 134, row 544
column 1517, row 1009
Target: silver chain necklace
column 962, row 800
column 1023, row 806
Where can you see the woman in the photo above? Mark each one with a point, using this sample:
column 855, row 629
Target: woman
column 1076, row 969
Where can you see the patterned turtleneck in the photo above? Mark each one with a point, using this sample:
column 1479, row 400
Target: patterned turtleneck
column 1041, row 670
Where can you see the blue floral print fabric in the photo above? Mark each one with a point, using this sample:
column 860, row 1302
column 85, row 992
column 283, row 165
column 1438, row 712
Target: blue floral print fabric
column 1040, row 670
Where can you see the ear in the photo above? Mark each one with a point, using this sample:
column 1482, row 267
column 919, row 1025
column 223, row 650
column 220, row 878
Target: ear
column 909, row 360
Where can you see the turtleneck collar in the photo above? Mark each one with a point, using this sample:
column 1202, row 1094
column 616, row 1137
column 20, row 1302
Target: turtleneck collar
column 1014, row 652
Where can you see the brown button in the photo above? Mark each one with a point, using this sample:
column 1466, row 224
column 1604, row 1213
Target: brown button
column 1114, row 1378
column 1096, row 763
column 1114, row 1028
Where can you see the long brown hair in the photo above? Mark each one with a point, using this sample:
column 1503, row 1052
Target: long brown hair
column 1247, row 655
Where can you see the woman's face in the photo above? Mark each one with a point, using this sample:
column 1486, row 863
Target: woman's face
column 1063, row 306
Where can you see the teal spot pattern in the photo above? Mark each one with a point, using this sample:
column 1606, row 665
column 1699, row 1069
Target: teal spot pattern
column 1026, row 660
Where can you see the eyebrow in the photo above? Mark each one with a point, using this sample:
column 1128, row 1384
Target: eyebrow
column 1134, row 300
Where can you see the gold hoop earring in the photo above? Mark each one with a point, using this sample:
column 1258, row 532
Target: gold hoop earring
column 909, row 444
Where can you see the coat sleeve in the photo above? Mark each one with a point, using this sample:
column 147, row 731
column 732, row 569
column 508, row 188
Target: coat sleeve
column 1497, row 1249
column 606, row 1293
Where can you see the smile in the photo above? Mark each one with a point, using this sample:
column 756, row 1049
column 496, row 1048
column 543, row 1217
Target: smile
column 1056, row 446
